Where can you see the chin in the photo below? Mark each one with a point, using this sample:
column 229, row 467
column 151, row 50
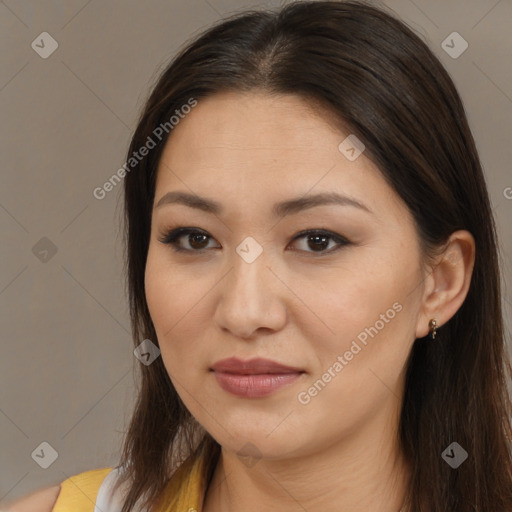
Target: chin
column 246, row 442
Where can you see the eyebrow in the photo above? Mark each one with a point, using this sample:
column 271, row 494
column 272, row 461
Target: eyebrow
column 283, row 208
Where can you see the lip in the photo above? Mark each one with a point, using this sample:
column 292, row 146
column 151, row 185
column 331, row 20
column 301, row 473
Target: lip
column 254, row 378
column 252, row 366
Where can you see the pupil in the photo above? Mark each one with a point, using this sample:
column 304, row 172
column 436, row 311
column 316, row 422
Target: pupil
column 316, row 238
column 194, row 238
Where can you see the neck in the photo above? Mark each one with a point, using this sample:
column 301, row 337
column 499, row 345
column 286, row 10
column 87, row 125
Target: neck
column 364, row 472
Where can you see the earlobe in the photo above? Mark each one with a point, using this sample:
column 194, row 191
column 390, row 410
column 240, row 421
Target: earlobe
column 448, row 283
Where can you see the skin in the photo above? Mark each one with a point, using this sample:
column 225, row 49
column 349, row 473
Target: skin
column 293, row 304
column 42, row 500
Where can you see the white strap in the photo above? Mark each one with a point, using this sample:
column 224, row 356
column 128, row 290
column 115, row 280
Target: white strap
column 106, row 501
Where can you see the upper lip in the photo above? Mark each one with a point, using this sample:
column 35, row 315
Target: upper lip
column 252, row 366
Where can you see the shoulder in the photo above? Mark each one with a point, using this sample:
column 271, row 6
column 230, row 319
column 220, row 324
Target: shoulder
column 77, row 493
column 42, row 500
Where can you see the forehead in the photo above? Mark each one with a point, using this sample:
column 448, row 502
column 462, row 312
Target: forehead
column 244, row 121
column 260, row 147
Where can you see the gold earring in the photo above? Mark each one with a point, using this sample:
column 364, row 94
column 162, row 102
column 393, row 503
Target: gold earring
column 432, row 329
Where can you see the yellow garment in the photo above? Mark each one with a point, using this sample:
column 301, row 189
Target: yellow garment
column 183, row 493
column 78, row 493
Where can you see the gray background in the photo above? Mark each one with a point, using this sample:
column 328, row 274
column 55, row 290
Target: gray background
column 66, row 371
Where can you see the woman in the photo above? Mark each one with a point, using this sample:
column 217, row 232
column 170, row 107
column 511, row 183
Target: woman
column 310, row 245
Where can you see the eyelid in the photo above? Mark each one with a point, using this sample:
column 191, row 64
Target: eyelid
column 172, row 236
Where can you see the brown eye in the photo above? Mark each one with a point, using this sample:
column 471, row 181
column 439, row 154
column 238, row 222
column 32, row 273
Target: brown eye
column 318, row 241
column 196, row 239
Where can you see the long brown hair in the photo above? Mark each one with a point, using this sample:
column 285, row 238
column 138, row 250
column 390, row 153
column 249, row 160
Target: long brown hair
column 387, row 87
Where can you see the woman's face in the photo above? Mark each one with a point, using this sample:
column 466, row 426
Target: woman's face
column 340, row 313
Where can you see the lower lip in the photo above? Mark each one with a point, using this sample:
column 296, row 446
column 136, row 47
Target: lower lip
column 254, row 386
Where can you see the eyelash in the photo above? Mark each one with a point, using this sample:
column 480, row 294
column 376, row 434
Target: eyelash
column 172, row 237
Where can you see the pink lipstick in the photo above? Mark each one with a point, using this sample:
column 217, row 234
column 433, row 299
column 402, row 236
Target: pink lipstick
column 255, row 378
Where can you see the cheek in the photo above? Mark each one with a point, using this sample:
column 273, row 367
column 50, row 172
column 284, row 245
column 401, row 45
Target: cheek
column 368, row 313
column 174, row 303
column 349, row 302
column 168, row 292
column 158, row 290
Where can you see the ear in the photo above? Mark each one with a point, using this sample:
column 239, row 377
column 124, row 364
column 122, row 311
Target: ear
column 447, row 282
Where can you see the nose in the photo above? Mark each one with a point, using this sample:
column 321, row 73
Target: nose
column 252, row 299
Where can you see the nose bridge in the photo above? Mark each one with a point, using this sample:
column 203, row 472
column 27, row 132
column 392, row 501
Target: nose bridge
column 250, row 270
column 248, row 300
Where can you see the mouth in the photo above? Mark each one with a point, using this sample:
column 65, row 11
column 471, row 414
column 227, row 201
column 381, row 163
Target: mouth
column 255, row 378
column 252, row 367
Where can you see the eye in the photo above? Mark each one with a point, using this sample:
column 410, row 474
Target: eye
column 316, row 239
column 196, row 239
